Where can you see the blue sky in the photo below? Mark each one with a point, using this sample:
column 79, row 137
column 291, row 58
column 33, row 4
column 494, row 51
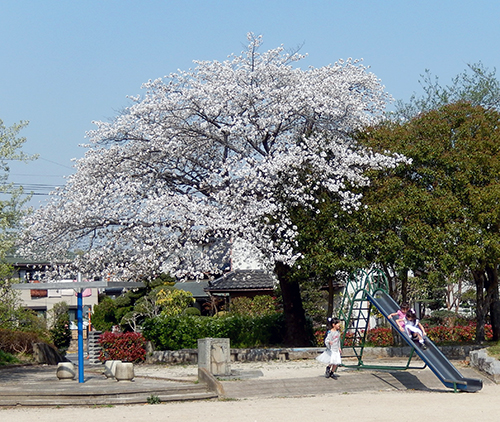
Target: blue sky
column 65, row 63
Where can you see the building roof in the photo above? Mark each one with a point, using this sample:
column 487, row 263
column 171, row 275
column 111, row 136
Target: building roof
column 197, row 288
column 242, row 280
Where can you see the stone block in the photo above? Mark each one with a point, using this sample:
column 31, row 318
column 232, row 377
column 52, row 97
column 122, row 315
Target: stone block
column 66, row 371
column 124, row 371
column 110, row 368
column 214, row 354
column 479, row 359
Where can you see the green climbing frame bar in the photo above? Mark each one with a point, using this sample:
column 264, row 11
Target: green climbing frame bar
column 355, row 311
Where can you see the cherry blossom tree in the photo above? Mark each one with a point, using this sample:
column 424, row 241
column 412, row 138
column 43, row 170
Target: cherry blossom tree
column 222, row 151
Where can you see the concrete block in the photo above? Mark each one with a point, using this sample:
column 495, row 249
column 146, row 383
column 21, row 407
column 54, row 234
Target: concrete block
column 66, row 371
column 124, row 371
column 214, row 354
column 110, row 368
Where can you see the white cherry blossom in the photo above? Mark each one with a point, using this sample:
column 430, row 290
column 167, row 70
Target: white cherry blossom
column 215, row 153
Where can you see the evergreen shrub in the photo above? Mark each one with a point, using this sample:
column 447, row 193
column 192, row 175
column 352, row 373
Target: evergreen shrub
column 60, row 333
column 183, row 331
column 7, row 358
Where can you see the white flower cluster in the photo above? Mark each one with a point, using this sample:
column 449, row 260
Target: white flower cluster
column 218, row 152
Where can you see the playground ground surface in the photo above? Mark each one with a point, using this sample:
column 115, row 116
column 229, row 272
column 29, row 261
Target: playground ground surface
column 293, row 391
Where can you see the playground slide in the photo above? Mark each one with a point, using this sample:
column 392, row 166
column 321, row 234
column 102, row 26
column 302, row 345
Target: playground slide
column 432, row 356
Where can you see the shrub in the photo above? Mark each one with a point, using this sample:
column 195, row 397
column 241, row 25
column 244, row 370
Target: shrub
column 183, row 331
column 173, row 302
column 7, row 358
column 192, row 311
column 380, row 337
column 457, row 334
column 60, row 333
column 258, row 306
column 319, row 336
column 18, row 342
column 127, row 347
column 103, row 317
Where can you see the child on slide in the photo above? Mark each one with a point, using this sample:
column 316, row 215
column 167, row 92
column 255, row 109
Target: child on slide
column 401, row 314
column 415, row 329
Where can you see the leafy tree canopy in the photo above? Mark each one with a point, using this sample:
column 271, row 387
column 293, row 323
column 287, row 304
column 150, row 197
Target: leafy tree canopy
column 441, row 211
column 476, row 85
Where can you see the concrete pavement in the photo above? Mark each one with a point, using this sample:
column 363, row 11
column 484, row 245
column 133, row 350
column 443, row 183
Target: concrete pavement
column 39, row 386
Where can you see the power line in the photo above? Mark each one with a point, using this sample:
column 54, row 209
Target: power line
column 35, row 188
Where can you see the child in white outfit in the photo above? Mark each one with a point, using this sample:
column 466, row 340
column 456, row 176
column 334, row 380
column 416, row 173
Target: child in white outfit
column 331, row 355
column 414, row 328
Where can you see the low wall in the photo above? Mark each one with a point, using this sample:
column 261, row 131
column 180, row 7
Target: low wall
column 251, row 355
column 479, row 359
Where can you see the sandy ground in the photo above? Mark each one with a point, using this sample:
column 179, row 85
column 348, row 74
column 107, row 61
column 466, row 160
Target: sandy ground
column 384, row 406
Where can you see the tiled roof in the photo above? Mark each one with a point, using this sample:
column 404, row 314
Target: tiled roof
column 243, row 280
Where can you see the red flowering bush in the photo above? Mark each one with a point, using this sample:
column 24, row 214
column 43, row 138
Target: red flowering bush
column 457, row 334
column 319, row 335
column 320, row 338
column 349, row 339
column 380, row 337
column 127, row 347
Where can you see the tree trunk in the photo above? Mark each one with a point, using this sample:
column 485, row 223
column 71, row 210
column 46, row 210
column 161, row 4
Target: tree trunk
column 330, row 297
column 481, row 307
column 404, row 285
column 296, row 333
column 494, row 300
column 391, row 280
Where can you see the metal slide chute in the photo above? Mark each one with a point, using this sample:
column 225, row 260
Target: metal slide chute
column 432, row 356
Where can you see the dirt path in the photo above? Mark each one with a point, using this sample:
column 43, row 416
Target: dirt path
column 446, row 406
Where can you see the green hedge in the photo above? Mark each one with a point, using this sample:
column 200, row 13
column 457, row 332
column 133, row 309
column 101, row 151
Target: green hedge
column 183, row 331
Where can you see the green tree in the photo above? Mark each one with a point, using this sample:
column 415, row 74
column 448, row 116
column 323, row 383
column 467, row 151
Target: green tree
column 103, row 317
column 13, row 198
column 11, row 202
column 130, row 309
column 174, row 301
column 440, row 213
column 476, row 85
column 60, row 332
column 333, row 244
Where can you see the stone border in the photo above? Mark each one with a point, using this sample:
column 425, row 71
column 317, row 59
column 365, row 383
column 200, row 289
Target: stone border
column 190, row 356
column 213, row 384
column 480, row 360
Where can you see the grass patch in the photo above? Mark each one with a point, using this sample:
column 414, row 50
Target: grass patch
column 494, row 351
column 7, row 358
column 153, row 399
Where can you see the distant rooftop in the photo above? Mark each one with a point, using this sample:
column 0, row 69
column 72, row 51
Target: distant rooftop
column 242, row 280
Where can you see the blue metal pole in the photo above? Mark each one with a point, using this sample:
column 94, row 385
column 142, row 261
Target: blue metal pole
column 80, row 332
